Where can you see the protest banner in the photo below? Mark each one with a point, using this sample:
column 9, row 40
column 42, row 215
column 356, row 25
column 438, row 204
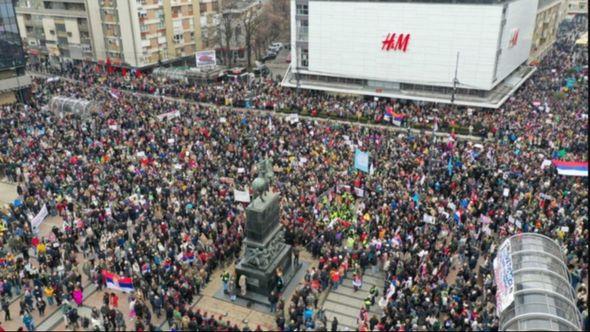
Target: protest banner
column 504, row 277
column 169, row 115
column 36, row 222
column 361, row 160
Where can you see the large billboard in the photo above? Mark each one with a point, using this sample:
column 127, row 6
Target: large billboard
column 205, row 59
column 416, row 42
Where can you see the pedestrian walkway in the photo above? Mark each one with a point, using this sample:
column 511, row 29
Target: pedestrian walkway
column 403, row 130
column 345, row 304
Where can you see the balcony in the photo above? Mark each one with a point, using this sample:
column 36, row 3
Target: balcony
column 114, row 48
column 108, row 4
column 66, row 13
column 110, row 19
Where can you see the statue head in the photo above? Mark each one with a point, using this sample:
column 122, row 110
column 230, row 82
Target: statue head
column 259, row 186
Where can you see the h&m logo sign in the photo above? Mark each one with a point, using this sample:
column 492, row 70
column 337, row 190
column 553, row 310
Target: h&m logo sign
column 513, row 39
column 395, row 42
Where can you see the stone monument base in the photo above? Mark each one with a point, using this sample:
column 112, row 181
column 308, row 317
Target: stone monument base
column 264, row 281
column 259, row 302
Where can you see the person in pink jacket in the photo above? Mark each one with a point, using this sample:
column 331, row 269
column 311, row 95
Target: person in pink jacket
column 78, row 296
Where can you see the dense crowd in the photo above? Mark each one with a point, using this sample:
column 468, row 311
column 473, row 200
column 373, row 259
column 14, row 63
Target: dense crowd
column 139, row 194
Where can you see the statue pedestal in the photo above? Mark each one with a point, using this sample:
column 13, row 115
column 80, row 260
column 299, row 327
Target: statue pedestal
column 262, row 282
column 265, row 250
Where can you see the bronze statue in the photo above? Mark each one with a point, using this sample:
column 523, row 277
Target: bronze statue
column 262, row 183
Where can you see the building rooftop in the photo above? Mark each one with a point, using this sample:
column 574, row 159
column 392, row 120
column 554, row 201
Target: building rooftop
column 475, row 2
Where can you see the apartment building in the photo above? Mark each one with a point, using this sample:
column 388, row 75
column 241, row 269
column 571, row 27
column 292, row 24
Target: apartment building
column 577, row 7
column 549, row 15
column 14, row 83
column 210, row 12
column 231, row 41
column 133, row 33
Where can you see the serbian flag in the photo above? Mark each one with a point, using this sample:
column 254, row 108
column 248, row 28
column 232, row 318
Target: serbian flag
column 116, row 282
column 145, row 268
column 167, row 264
column 388, row 114
column 457, row 216
column 397, row 118
column 4, row 262
column 571, row 168
column 188, row 257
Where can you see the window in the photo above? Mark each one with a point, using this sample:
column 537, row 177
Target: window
column 177, row 37
column 302, row 10
column 304, row 57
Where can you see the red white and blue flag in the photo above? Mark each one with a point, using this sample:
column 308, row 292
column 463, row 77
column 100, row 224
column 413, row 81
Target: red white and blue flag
column 388, row 114
column 167, row 264
column 457, row 216
column 188, row 257
column 571, row 168
column 116, row 282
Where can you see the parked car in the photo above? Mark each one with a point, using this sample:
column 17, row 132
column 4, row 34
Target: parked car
column 268, row 56
column 275, row 47
column 261, row 70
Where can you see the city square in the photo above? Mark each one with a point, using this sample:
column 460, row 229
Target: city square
column 259, row 179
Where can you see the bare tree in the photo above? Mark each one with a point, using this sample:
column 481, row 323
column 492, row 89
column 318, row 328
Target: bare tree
column 250, row 22
column 275, row 15
column 226, row 32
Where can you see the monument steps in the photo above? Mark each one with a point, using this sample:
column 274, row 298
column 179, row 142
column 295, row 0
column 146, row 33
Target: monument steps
column 345, row 304
column 344, row 321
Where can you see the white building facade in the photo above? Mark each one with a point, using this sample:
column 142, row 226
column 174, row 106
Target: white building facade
column 472, row 53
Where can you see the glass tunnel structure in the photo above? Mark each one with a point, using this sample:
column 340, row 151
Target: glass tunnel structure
column 534, row 289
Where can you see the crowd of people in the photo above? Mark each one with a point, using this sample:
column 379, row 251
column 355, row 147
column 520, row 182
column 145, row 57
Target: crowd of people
column 152, row 198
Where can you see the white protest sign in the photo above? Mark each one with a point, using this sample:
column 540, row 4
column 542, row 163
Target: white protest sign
column 241, row 196
column 36, row 222
column 428, row 219
column 546, row 163
column 292, row 118
column 506, row 192
column 359, row 192
column 169, row 115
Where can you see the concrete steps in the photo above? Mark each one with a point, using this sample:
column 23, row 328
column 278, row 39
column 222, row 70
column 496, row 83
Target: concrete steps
column 53, row 319
column 345, row 304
